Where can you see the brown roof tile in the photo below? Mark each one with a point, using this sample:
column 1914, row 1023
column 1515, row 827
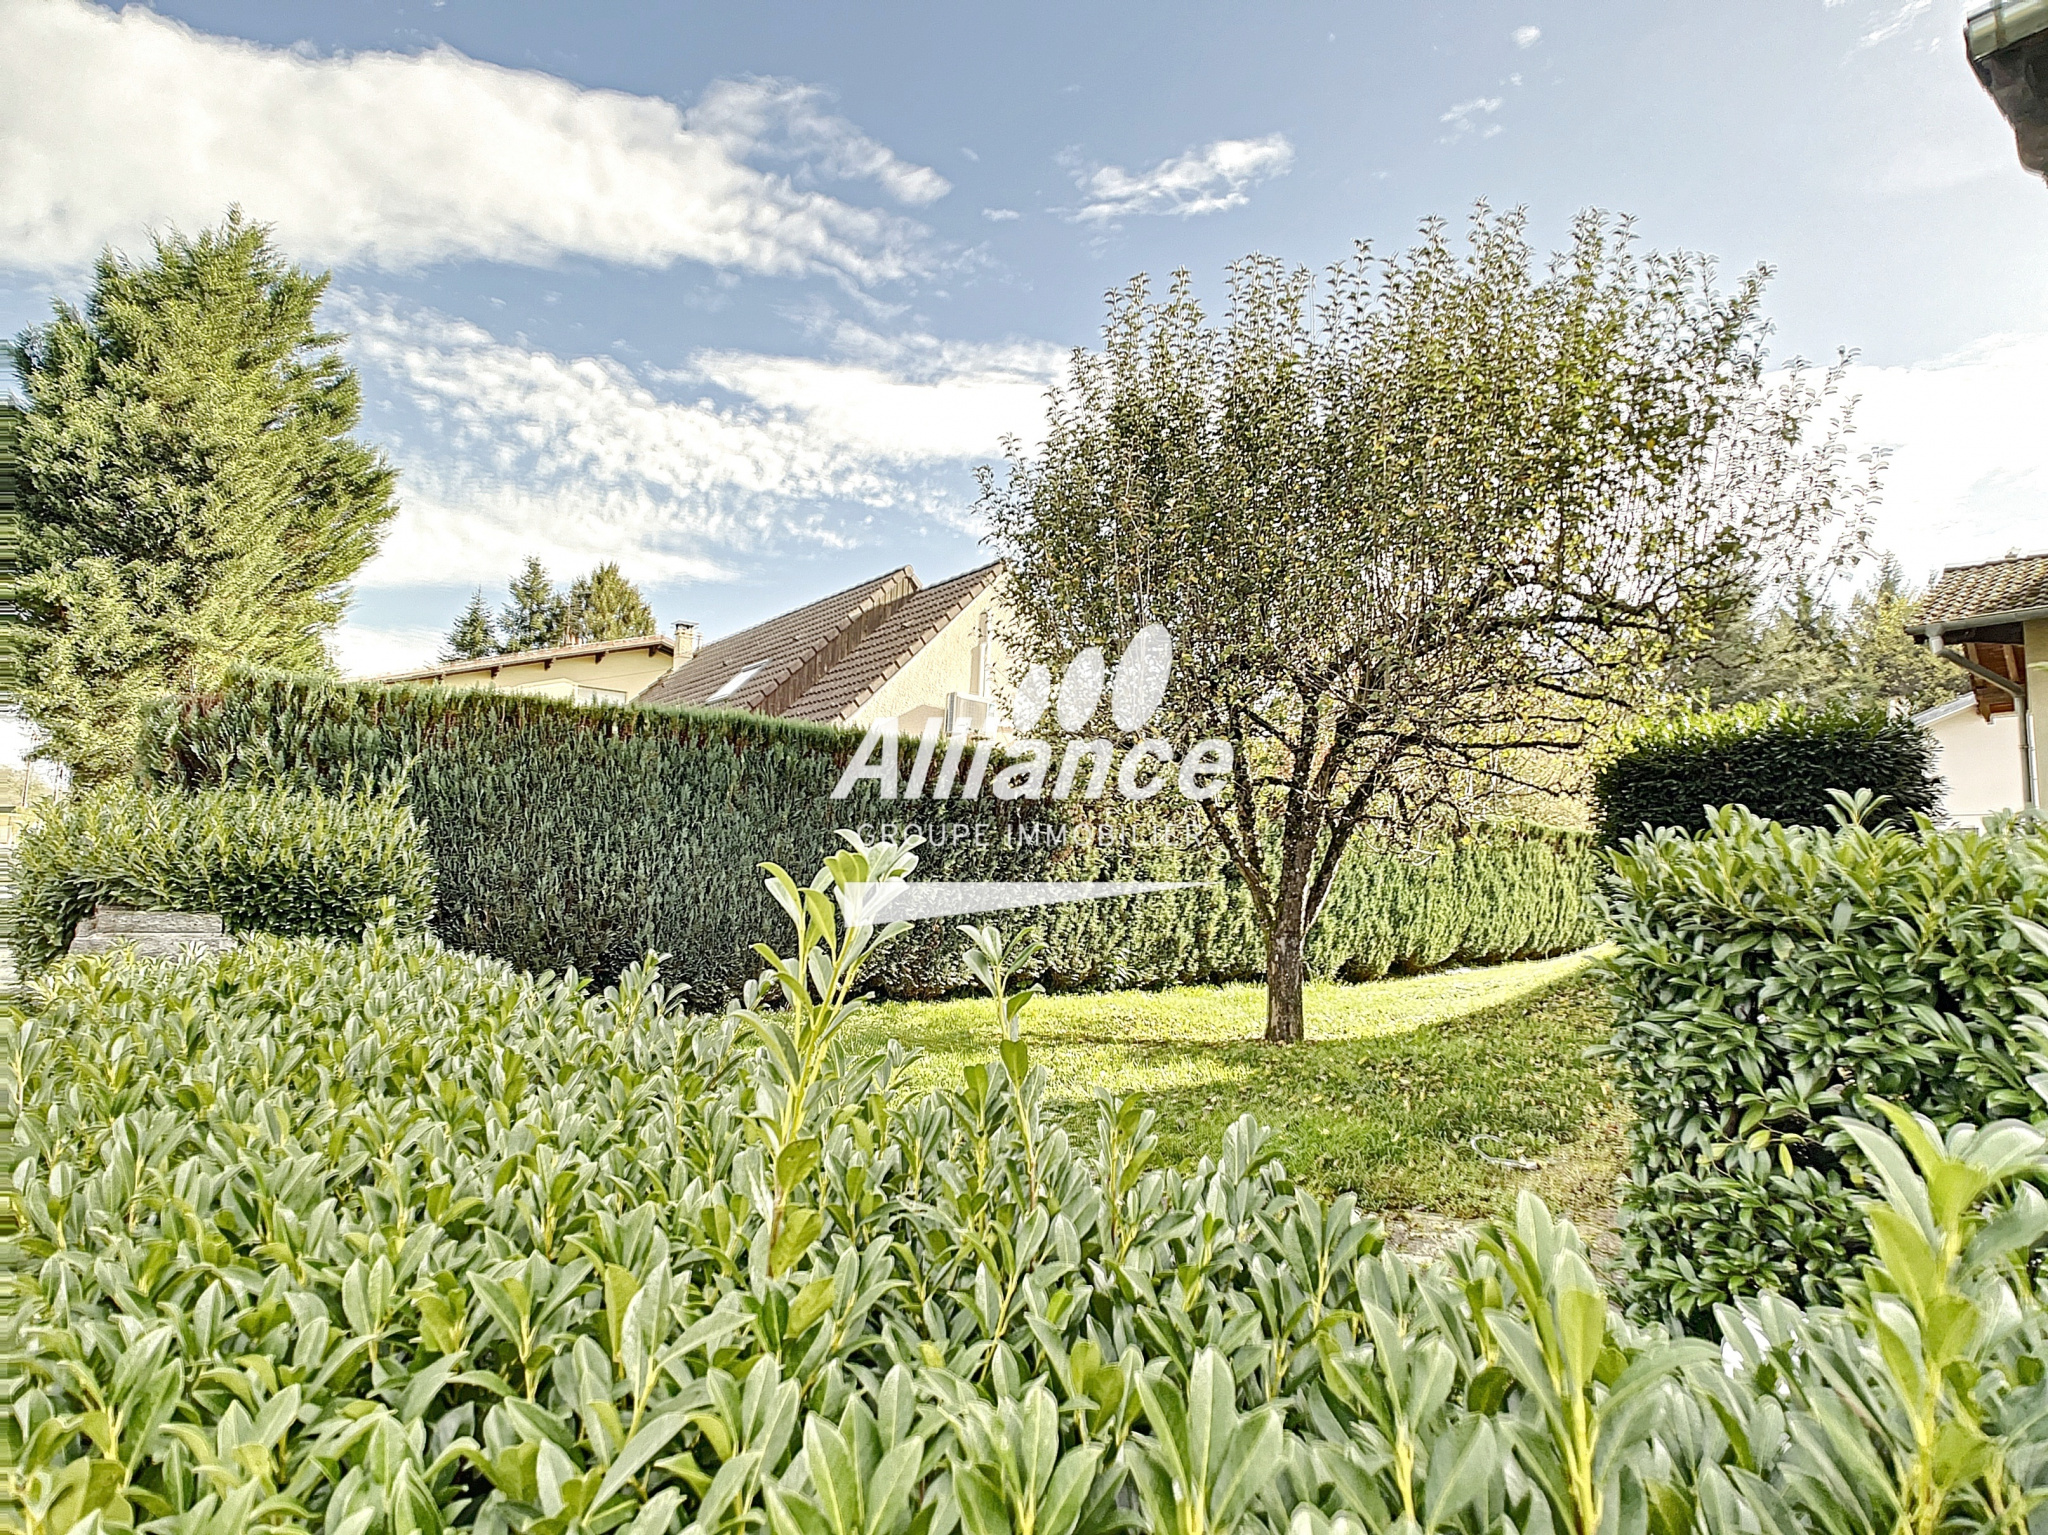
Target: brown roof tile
column 743, row 671
column 823, row 661
column 2016, row 584
column 909, row 625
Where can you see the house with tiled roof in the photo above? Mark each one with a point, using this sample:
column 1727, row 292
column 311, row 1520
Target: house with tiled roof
column 594, row 672
column 1990, row 620
column 888, row 648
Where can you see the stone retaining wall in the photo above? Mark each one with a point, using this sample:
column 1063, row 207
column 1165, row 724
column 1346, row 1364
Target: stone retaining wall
column 165, row 934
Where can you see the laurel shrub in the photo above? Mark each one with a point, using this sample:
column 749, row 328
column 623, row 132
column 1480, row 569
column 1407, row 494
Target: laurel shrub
column 1772, row 979
column 265, row 859
column 377, row 1238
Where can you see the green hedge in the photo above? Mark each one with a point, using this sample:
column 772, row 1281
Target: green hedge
column 571, row 836
column 382, row 1238
column 274, row 860
column 1778, row 759
column 1772, row 978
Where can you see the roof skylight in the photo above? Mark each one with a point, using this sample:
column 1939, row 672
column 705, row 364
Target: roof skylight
column 735, row 682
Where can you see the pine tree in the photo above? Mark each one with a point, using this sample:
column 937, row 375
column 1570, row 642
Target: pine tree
column 474, row 634
column 532, row 620
column 1800, row 645
column 191, row 497
column 604, row 605
column 14, row 631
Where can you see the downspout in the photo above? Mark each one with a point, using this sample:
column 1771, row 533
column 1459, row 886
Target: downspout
column 2018, row 692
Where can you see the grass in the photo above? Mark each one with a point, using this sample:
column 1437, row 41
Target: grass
column 1384, row 1098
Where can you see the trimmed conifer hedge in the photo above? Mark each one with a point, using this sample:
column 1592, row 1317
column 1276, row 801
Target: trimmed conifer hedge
column 1773, row 979
column 1778, row 759
column 575, row 836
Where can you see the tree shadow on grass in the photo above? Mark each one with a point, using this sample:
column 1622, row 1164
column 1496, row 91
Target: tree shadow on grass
column 1389, row 1115
column 1393, row 1118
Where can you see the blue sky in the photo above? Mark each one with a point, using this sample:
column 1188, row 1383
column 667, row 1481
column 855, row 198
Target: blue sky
column 738, row 295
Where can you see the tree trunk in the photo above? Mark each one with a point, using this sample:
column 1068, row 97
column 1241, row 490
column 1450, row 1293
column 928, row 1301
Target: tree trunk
column 1285, row 967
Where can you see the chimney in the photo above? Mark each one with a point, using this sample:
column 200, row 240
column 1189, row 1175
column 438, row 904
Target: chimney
column 686, row 645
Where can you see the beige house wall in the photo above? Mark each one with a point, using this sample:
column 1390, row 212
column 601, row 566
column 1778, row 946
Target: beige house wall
column 616, row 677
column 960, row 659
column 1979, row 763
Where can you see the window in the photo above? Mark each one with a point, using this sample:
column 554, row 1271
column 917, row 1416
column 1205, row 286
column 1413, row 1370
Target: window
column 735, row 682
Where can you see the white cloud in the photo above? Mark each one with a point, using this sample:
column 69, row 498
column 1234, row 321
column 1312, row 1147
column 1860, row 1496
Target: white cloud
column 1464, row 118
column 900, row 401
column 361, row 651
column 1000, row 215
column 1528, row 37
column 1209, row 179
column 1969, row 465
column 582, row 458
column 463, row 525
column 119, row 121
column 787, row 120
column 1898, row 20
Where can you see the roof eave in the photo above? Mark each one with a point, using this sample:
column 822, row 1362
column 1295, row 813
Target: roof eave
column 991, row 573
column 1986, row 30
column 1936, row 712
column 1978, row 621
column 646, row 642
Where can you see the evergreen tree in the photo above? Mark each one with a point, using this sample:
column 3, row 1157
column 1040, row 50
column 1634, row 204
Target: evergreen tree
column 191, row 496
column 14, row 632
column 474, row 634
column 1800, row 645
column 1892, row 663
column 604, row 605
column 532, row 620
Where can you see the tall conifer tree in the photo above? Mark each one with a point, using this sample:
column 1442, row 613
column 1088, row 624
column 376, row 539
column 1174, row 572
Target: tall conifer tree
column 532, row 620
column 604, row 605
column 191, row 496
column 474, row 634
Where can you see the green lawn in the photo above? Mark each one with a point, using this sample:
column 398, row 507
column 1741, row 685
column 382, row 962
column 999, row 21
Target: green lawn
column 1396, row 1078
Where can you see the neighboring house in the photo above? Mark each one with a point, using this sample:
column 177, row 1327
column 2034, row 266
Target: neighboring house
column 21, row 789
column 1991, row 620
column 2007, row 44
column 1977, row 757
column 889, row 648
column 596, row 672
